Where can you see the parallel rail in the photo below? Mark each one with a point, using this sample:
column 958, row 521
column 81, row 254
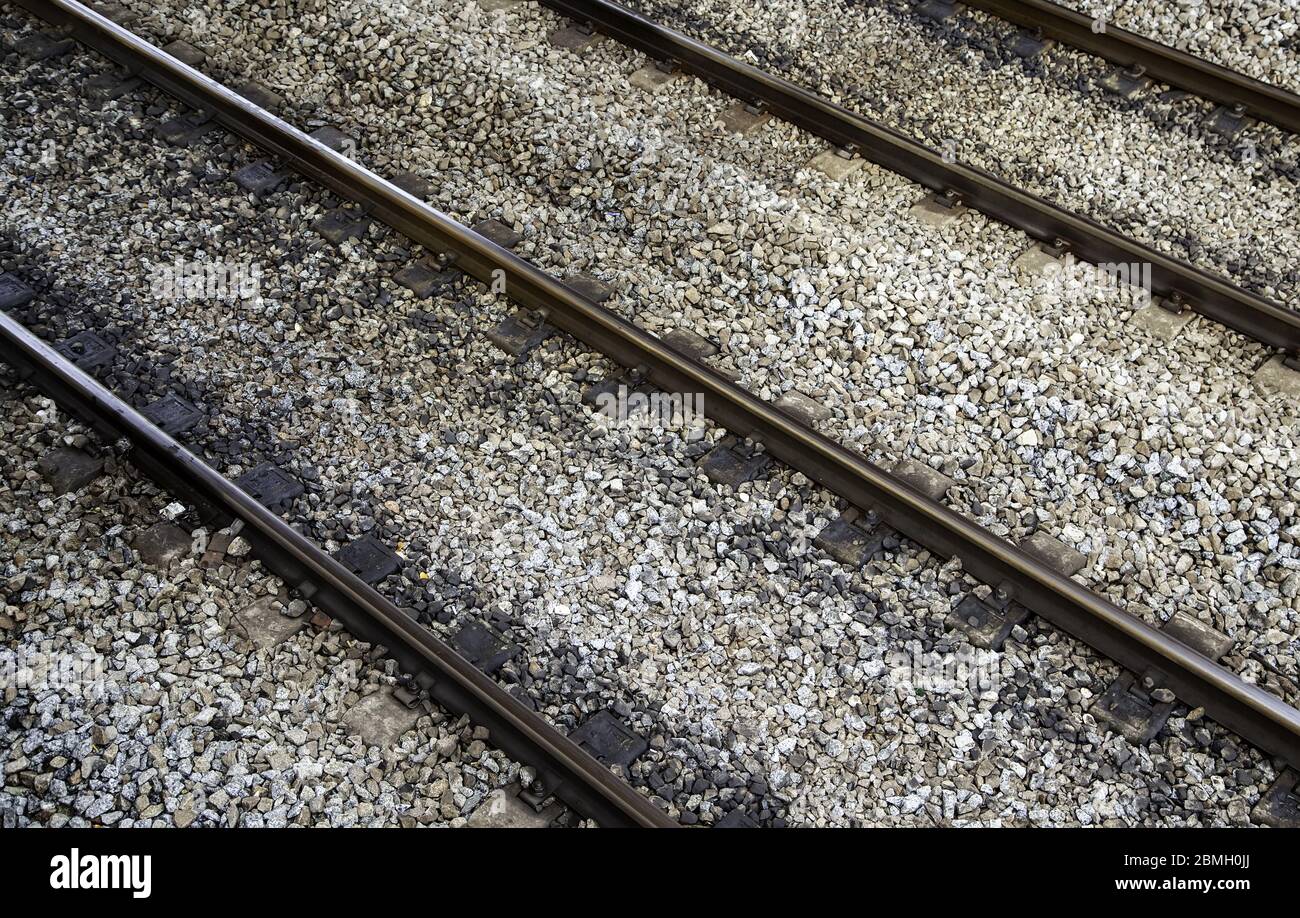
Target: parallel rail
column 565, row 769
column 1161, row 62
column 1211, row 295
column 1255, row 715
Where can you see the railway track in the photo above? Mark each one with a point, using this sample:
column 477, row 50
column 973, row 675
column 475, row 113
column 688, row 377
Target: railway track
column 1138, row 58
column 1180, row 285
column 198, row 651
column 909, row 505
column 337, row 585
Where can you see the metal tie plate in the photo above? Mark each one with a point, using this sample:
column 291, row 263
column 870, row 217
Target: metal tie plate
column 187, row 128
column 109, row 86
column 111, row 9
column 14, row 292
column 597, row 395
column 39, row 46
column 335, row 139
column 1054, row 553
column 1126, row 83
column 425, row 278
column 1175, row 303
column 1029, row 45
column 730, row 463
column 369, row 558
column 938, row 209
column 173, row 415
column 417, row 186
column 271, row 487
column 1139, row 706
column 520, row 333
column 259, row 178
column 850, row 542
column 691, row 344
column 609, row 740
column 920, row 477
column 736, row 819
column 591, row 288
column 1279, row 807
column 938, row 10
column 186, row 53
column 88, row 351
column 498, row 233
column 743, row 117
column 1130, row 707
column 1227, row 121
column 484, row 647
column 988, row 622
column 260, row 96
column 1196, row 634
column 573, row 37
column 342, row 224
column 803, row 409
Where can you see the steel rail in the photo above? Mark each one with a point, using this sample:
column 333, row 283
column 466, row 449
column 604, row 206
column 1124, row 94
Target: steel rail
column 1161, row 62
column 566, row 769
column 1252, row 713
column 1211, row 295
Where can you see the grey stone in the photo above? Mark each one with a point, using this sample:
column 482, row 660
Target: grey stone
column 263, row 624
column 68, row 469
column 572, row 38
column 1162, row 323
column 930, row 211
column 653, row 78
column 380, row 719
column 740, row 119
column 1275, row 377
column 835, row 166
column 501, row 810
column 163, row 544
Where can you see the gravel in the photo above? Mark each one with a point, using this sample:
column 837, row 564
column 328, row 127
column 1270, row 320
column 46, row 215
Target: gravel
column 1147, row 167
column 703, row 616
column 1259, row 39
column 132, row 696
column 924, row 345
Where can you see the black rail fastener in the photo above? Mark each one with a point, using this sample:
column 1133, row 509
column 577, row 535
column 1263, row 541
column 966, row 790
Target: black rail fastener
column 570, row 773
column 1211, row 295
column 1249, row 711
